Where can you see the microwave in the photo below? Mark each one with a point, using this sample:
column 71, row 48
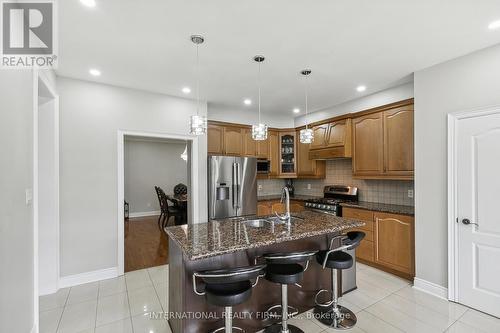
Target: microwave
column 263, row 166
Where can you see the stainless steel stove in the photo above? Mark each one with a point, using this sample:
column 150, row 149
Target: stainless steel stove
column 333, row 195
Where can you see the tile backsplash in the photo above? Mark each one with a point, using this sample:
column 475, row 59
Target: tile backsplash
column 339, row 172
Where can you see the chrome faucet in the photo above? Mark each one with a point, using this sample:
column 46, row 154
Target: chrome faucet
column 285, row 195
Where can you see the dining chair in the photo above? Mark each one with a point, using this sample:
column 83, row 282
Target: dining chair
column 166, row 211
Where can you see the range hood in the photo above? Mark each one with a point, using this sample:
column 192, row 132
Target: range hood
column 332, row 140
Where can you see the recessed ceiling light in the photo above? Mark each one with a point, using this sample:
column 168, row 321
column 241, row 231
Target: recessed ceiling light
column 88, row 3
column 361, row 88
column 247, row 101
column 494, row 25
column 95, row 72
column 186, row 90
column 296, row 110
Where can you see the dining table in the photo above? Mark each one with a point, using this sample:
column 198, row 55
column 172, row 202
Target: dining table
column 180, row 202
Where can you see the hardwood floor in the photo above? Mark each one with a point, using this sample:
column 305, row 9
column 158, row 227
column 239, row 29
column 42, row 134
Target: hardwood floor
column 145, row 245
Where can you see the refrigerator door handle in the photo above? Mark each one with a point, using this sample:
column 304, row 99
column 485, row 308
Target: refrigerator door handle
column 237, row 185
column 234, row 187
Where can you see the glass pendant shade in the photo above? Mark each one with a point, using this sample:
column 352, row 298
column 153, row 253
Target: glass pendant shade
column 306, row 135
column 259, row 132
column 198, row 125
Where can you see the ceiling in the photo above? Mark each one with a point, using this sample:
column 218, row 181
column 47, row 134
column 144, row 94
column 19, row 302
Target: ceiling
column 145, row 45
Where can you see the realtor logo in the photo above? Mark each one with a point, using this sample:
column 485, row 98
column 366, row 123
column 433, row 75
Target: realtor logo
column 28, row 34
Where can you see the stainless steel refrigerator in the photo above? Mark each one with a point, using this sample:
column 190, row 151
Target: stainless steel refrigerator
column 232, row 186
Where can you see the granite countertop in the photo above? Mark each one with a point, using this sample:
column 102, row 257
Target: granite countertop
column 381, row 207
column 296, row 197
column 219, row 237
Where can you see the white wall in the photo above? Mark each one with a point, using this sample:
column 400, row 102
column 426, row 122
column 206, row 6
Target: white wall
column 148, row 164
column 248, row 116
column 465, row 83
column 380, row 98
column 17, row 306
column 91, row 115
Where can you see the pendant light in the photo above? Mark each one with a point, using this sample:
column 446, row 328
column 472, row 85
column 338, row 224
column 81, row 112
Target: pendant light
column 307, row 134
column 198, row 124
column 259, row 132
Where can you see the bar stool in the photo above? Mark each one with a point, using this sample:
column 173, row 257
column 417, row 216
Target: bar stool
column 227, row 288
column 285, row 269
column 331, row 313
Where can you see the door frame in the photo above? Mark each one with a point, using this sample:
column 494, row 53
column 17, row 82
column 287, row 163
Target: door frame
column 453, row 258
column 193, row 204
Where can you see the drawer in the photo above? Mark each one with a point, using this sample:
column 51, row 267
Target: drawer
column 365, row 250
column 358, row 214
column 368, row 233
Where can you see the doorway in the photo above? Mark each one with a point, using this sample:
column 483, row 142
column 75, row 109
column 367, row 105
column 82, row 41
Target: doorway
column 147, row 164
column 474, row 226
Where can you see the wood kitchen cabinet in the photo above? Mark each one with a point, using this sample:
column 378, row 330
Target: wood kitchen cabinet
column 287, row 155
column 215, row 138
column 383, row 144
column 368, row 142
column 307, row 168
column 233, row 141
column 333, row 140
column 320, row 134
column 274, row 153
column 263, row 208
column 275, row 206
column 395, row 243
column 389, row 243
column 249, row 144
column 398, row 141
column 262, row 148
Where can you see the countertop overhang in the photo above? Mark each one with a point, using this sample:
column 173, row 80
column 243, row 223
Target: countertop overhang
column 218, row 237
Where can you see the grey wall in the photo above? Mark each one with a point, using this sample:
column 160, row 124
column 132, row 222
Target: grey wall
column 16, row 218
column 465, row 83
column 150, row 163
column 249, row 116
column 380, row 98
column 91, row 115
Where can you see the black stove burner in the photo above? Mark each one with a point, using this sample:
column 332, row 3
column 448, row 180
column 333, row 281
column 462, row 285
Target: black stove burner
column 333, row 196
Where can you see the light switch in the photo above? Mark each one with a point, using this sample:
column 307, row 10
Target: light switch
column 410, row 193
column 29, row 196
column 308, row 186
column 259, row 187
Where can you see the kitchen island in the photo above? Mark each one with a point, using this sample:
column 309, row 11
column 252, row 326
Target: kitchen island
column 234, row 242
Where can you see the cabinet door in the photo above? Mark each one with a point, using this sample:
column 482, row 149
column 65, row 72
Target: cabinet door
column 215, row 140
column 263, row 149
column 336, row 134
column 288, row 155
column 305, row 166
column 233, row 141
column 249, row 144
column 320, row 134
column 274, row 155
column 368, row 157
column 394, row 242
column 263, row 208
column 277, row 207
column 296, row 206
column 366, row 248
column 398, row 141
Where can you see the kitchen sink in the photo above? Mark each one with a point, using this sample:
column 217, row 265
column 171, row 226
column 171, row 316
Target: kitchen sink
column 277, row 220
column 256, row 223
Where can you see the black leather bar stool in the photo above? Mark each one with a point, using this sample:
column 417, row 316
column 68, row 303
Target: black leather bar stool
column 331, row 313
column 227, row 288
column 285, row 269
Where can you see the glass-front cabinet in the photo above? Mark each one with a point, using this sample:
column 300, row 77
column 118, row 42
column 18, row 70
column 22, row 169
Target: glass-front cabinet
column 288, row 154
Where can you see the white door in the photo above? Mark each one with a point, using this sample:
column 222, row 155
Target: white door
column 478, row 202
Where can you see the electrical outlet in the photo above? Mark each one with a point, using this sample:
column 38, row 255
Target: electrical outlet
column 259, row 187
column 308, row 186
column 410, row 193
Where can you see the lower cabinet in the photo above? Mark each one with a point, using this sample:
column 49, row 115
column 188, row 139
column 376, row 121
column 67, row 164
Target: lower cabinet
column 275, row 206
column 389, row 242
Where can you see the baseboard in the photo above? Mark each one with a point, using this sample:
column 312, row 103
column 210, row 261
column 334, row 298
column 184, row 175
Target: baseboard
column 430, row 288
column 74, row 280
column 144, row 214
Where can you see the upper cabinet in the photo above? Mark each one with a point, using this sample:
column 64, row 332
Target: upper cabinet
column 307, row 168
column 331, row 140
column 288, row 155
column 274, row 153
column 383, row 144
column 215, row 139
column 249, row 144
column 233, row 141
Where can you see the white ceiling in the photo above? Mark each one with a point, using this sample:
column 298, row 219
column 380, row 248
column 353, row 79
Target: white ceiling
column 145, row 45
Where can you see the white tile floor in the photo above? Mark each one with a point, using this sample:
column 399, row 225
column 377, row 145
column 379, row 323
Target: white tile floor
column 383, row 303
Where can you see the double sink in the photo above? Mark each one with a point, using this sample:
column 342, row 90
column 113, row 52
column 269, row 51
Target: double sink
column 269, row 221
